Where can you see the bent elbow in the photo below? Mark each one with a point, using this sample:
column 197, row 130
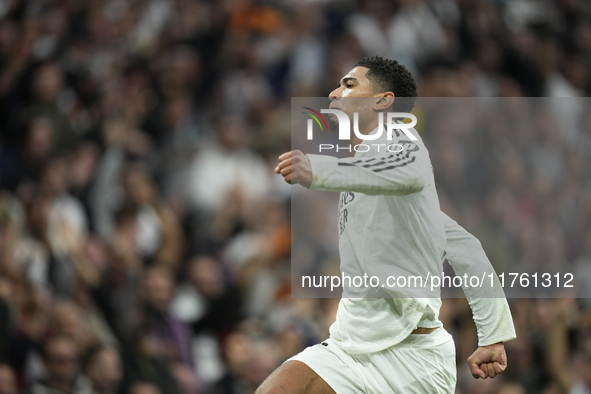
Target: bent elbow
column 415, row 185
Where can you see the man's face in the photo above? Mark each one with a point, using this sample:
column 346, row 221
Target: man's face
column 105, row 371
column 7, row 380
column 354, row 94
column 158, row 289
column 61, row 361
column 354, row 84
column 205, row 276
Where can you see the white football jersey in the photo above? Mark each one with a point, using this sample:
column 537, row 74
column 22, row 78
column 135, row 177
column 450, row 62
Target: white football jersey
column 391, row 225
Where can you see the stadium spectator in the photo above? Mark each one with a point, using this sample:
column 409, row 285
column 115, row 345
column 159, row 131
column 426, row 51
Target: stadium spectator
column 63, row 369
column 104, row 369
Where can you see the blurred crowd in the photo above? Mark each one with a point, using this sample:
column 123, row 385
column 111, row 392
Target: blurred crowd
column 145, row 239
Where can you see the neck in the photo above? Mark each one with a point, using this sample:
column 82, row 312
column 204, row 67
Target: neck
column 365, row 129
column 62, row 386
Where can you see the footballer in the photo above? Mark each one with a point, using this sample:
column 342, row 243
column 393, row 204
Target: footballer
column 394, row 344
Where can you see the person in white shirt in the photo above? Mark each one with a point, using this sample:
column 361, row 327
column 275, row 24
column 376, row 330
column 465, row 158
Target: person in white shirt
column 394, row 226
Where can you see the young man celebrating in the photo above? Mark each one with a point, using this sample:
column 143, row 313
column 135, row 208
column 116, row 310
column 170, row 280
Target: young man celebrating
column 394, row 344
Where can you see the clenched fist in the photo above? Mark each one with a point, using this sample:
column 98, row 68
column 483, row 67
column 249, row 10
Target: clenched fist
column 488, row 361
column 295, row 168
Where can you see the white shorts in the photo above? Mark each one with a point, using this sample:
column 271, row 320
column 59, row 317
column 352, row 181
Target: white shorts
column 421, row 364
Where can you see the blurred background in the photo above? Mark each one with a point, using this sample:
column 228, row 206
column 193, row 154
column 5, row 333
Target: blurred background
column 145, row 239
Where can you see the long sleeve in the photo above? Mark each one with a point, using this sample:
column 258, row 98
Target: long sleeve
column 489, row 306
column 386, row 173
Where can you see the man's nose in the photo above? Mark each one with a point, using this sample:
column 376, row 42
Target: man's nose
column 335, row 94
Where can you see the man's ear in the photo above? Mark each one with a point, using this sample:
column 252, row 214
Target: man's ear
column 384, row 101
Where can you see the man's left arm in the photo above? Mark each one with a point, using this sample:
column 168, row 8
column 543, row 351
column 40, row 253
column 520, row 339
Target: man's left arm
column 489, row 306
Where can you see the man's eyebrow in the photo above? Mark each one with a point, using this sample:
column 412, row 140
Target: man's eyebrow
column 345, row 80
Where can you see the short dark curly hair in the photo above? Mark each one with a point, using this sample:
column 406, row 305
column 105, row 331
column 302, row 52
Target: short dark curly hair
column 387, row 75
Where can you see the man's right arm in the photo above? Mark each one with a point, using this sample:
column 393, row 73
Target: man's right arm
column 386, row 173
column 405, row 170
